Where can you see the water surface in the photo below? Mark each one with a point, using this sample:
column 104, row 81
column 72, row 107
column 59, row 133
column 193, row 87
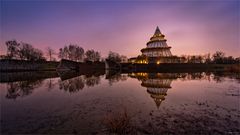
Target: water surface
column 72, row 103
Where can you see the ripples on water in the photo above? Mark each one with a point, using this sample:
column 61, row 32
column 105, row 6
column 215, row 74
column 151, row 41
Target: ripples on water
column 143, row 103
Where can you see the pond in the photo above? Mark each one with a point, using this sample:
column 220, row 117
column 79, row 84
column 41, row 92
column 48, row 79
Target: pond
column 124, row 103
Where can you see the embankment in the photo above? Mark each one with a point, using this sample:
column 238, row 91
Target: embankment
column 66, row 65
column 180, row 67
column 23, row 65
column 26, row 76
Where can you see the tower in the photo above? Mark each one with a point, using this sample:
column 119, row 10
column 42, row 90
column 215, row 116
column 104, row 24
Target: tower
column 157, row 50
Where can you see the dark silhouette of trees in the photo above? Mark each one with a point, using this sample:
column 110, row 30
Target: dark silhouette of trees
column 50, row 53
column 62, row 53
column 71, row 52
column 218, row 57
column 113, row 56
column 207, row 58
column 28, row 52
column 12, row 49
column 228, row 60
column 92, row 56
column 23, row 51
column 116, row 57
column 79, row 55
column 195, row 59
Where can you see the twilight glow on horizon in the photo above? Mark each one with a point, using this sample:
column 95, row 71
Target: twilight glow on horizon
column 190, row 27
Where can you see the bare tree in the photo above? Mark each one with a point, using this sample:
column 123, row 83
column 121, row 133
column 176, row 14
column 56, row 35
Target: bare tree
column 71, row 52
column 92, row 55
column 79, row 54
column 28, row 52
column 97, row 56
column 50, row 53
column 113, row 56
column 218, row 57
column 25, row 51
column 60, row 54
column 12, row 48
column 63, row 53
column 37, row 55
column 89, row 55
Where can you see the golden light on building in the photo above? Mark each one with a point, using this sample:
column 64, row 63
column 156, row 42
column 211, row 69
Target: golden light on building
column 156, row 50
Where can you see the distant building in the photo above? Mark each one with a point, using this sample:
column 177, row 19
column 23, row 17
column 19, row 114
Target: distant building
column 157, row 51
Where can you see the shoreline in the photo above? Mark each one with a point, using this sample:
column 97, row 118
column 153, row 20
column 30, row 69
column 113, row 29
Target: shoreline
column 66, row 65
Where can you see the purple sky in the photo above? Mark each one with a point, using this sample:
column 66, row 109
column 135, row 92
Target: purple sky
column 124, row 27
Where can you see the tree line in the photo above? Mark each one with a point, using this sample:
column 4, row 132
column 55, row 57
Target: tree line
column 23, row 51
column 26, row 51
column 218, row 57
column 77, row 53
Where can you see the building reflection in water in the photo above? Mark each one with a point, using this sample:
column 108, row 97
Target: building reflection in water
column 157, row 84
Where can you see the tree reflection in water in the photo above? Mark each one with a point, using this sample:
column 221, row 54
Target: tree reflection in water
column 114, row 77
column 72, row 85
column 220, row 77
column 92, row 80
column 21, row 88
column 195, row 76
column 50, row 83
column 77, row 83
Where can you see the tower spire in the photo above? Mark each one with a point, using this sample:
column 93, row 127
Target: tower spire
column 157, row 31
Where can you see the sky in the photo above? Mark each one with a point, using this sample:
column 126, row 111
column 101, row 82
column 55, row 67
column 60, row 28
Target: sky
column 191, row 27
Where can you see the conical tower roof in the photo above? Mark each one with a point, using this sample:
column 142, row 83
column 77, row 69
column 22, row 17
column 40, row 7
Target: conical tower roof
column 157, row 31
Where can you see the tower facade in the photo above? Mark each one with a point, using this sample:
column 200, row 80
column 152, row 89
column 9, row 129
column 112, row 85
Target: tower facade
column 157, row 50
